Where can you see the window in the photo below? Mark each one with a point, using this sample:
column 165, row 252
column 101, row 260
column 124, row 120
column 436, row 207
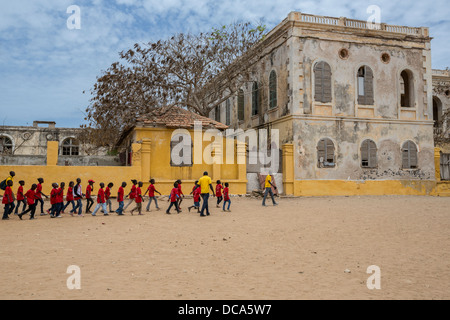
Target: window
column 322, row 83
column 406, row 89
column 6, row 146
column 369, row 154
column 241, row 105
column 325, row 154
column 273, row 90
column 217, row 114
column 70, row 147
column 437, row 112
column 181, row 151
column 409, row 155
column 228, row 112
column 365, row 86
column 255, row 99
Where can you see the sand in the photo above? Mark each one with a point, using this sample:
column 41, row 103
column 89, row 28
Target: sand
column 298, row 250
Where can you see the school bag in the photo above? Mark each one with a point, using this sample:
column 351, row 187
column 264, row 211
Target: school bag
column 3, row 185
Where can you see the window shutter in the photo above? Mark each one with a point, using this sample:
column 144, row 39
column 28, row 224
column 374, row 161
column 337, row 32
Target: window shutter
column 321, row 151
column 318, row 83
column 365, row 153
column 368, row 85
column 373, row 159
column 413, row 159
column 241, row 105
column 326, row 83
column 330, row 151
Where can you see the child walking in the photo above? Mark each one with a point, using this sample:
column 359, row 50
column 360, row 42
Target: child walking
column 180, row 193
column 39, row 195
column 173, row 198
column 69, row 198
column 78, row 196
column 101, row 201
column 8, row 200
column 151, row 195
column 20, row 198
column 120, row 195
column 89, row 191
column 53, row 200
column 219, row 196
column 60, row 200
column 132, row 194
column 226, row 195
column 196, row 193
column 108, row 196
column 31, row 200
column 139, row 199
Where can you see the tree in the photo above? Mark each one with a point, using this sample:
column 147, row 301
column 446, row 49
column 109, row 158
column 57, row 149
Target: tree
column 187, row 70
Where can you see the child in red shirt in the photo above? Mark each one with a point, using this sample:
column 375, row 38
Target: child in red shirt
column 139, row 199
column 69, row 198
column 20, row 198
column 60, row 200
column 108, row 196
column 219, row 188
column 8, row 200
column 53, row 200
column 39, row 195
column 120, row 195
column 180, row 193
column 226, row 195
column 196, row 193
column 31, row 200
column 89, row 191
column 131, row 195
column 151, row 195
column 101, row 201
column 173, row 198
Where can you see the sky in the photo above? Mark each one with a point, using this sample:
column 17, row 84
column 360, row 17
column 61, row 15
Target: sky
column 45, row 66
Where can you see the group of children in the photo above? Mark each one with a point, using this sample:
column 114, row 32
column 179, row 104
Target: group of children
column 74, row 195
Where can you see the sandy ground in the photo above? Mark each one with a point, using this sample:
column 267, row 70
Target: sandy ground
column 298, row 250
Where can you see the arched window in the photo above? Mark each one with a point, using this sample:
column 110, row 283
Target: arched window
column 6, row 145
column 70, row 147
column 217, row 114
column 437, row 112
column 228, row 112
column 273, row 90
column 365, row 86
column 406, row 89
column 325, row 154
column 369, row 154
column 409, row 155
column 322, row 82
column 255, row 99
column 241, row 105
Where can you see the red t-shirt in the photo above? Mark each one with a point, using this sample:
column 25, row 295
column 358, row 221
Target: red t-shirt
column 60, row 196
column 53, row 196
column 226, row 195
column 197, row 193
column 179, row 190
column 7, row 196
column 219, row 188
column 69, row 196
column 138, row 195
column 88, row 191
column 120, row 195
column 133, row 192
column 173, row 195
column 20, row 196
column 31, row 197
column 39, row 191
column 107, row 193
column 101, row 196
column 151, row 191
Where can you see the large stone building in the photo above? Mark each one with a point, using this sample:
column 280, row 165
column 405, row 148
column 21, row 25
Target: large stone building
column 356, row 102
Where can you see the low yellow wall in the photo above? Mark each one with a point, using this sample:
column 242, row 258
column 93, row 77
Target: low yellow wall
column 318, row 188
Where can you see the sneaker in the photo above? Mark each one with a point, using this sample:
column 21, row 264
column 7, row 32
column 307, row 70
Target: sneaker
column 106, row 214
column 167, row 212
column 31, row 218
column 189, row 209
column 20, row 216
column 159, row 209
column 59, row 216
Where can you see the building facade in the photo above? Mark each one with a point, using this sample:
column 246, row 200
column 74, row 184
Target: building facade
column 356, row 102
